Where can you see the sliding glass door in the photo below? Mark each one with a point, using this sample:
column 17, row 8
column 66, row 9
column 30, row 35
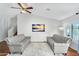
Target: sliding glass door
column 76, row 31
column 68, row 31
column 72, row 31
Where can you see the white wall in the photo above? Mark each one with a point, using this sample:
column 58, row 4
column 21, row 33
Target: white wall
column 70, row 20
column 5, row 23
column 6, row 14
column 25, row 22
column 3, row 27
column 12, row 26
column 12, row 21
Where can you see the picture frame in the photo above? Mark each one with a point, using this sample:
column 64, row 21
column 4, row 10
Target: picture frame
column 38, row 27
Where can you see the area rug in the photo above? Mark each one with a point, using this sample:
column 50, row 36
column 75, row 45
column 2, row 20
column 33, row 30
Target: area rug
column 38, row 49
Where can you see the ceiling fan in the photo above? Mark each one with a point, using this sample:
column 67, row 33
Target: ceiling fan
column 24, row 7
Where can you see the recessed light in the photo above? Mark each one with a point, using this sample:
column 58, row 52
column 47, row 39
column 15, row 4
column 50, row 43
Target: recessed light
column 48, row 9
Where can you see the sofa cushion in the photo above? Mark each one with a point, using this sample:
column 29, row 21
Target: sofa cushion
column 59, row 39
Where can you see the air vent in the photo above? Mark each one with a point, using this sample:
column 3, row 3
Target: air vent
column 48, row 9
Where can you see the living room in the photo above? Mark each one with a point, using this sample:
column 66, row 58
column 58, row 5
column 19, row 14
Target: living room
column 44, row 21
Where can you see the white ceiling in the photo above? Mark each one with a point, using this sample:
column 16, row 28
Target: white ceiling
column 57, row 11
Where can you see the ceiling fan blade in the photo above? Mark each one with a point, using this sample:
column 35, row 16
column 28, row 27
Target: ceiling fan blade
column 25, row 9
column 20, row 5
column 28, row 11
column 29, row 8
column 15, row 8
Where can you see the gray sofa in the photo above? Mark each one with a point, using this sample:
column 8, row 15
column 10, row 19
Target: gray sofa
column 58, row 44
column 17, row 44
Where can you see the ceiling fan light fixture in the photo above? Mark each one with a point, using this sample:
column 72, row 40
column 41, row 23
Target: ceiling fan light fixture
column 23, row 8
column 23, row 11
column 24, row 5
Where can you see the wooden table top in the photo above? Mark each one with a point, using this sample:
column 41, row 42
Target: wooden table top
column 4, row 49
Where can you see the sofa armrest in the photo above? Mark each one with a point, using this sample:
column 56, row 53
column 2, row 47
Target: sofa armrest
column 14, row 44
column 61, row 47
column 61, row 44
column 50, row 39
column 26, row 38
column 50, row 42
column 24, row 43
column 69, row 41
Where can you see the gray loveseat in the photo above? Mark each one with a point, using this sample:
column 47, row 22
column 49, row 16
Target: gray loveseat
column 59, row 44
column 17, row 44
